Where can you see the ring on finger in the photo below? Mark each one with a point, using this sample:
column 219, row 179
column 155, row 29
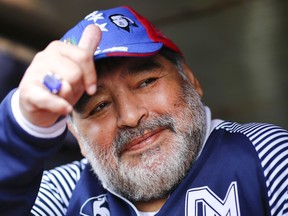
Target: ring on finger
column 52, row 82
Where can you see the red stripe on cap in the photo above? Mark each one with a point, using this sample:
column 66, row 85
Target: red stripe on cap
column 153, row 33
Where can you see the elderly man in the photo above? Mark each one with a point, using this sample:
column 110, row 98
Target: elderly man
column 149, row 144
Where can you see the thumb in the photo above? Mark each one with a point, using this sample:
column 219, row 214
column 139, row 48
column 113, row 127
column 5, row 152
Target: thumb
column 90, row 38
column 89, row 41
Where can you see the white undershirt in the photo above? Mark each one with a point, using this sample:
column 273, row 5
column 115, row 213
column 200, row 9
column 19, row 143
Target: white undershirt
column 146, row 213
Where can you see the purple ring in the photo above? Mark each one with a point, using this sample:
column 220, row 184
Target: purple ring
column 52, row 83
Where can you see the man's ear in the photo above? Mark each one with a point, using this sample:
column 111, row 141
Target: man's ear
column 75, row 133
column 191, row 77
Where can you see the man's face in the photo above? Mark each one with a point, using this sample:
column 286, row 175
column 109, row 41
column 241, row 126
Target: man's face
column 120, row 21
column 143, row 129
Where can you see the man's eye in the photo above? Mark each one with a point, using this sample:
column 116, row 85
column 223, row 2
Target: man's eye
column 99, row 108
column 148, row 82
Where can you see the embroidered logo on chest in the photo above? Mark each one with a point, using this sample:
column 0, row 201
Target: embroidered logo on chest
column 95, row 206
column 203, row 201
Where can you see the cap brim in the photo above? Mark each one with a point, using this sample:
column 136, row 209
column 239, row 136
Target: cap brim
column 132, row 50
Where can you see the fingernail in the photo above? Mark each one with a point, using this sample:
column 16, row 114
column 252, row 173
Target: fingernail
column 91, row 89
column 69, row 109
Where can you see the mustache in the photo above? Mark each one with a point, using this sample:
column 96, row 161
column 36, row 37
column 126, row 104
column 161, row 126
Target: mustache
column 126, row 135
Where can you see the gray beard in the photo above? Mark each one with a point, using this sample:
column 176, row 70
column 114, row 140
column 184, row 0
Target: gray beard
column 156, row 175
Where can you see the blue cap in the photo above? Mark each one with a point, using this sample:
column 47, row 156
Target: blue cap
column 124, row 33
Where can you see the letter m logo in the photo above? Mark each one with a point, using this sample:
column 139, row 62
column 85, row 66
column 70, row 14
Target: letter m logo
column 203, row 202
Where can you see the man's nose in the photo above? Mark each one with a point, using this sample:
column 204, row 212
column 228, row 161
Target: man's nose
column 131, row 109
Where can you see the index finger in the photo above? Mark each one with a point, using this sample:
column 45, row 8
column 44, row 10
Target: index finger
column 89, row 42
column 90, row 38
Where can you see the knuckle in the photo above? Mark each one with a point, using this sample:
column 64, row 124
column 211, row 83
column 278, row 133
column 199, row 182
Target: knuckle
column 54, row 44
column 39, row 55
column 75, row 76
column 85, row 57
column 28, row 103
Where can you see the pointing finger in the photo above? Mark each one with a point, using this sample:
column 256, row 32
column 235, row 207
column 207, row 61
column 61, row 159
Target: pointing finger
column 89, row 41
column 90, row 38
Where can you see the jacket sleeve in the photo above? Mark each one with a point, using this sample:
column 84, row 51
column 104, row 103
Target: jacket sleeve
column 22, row 158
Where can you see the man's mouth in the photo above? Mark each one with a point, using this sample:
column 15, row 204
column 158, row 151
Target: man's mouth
column 144, row 141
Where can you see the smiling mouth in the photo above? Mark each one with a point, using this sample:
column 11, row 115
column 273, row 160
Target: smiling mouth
column 144, row 141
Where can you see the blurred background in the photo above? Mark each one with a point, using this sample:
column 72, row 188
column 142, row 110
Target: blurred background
column 238, row 49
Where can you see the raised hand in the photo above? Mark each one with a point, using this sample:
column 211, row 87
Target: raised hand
column 74, row 65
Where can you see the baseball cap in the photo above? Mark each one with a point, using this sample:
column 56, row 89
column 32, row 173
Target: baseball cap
column 124, row 33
